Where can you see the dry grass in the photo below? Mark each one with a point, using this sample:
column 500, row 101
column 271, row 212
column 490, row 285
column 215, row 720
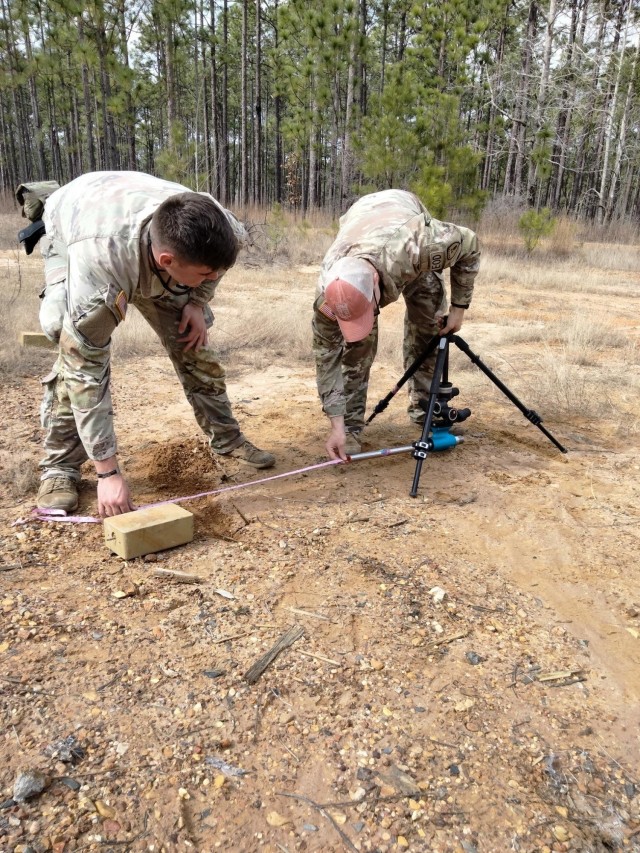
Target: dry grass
column 18, row 473
column 556, row 326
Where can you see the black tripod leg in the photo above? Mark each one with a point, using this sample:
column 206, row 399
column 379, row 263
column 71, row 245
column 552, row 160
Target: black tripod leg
column 530, row 415
column 422, row 446
column 382, row 404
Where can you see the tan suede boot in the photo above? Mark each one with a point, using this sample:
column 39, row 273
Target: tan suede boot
column 58, row 492
column 253, row 455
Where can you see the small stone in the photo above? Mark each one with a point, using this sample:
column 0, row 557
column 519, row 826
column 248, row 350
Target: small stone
column 213, row 673
column 104, row 810
column 560, row 833
column 377, row 664
column 276, row 819
column 474, row 658
column 309, row 827
column 28, row 784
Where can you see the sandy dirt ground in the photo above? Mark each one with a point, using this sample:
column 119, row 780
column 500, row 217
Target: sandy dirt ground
column 467, row 677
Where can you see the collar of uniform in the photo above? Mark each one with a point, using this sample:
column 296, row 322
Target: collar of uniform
column 150, row 286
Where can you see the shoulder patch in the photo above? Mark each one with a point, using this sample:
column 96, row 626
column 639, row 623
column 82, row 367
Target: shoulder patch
column 436, row 258
column 453, row 250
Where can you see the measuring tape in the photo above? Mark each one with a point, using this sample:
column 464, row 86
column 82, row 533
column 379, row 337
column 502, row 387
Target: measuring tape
column 60, row 514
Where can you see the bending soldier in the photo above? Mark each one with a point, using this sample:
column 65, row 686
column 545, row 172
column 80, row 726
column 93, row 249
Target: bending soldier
column 387, row 245
column 115, row 239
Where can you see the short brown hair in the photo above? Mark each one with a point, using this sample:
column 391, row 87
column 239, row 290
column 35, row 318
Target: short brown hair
column 195, row 229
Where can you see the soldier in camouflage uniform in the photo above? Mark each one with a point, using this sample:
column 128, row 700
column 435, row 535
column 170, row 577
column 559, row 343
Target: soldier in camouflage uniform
column 387, row 245
column 116, row 239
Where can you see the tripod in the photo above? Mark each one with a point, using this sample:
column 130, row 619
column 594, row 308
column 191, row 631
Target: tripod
column 435, row 433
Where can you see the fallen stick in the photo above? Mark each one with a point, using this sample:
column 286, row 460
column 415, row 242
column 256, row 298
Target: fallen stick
column 288, row 639
column 325, row 814
column 320, row 657
column 233, row 637
column 309, row 613
column 178, row 577
column 561, row 674
column 445, row 640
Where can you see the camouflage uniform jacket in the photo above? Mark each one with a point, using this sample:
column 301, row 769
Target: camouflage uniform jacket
column 394, row 231
column 96, row 239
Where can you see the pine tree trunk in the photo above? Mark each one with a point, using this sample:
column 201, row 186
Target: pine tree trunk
column 225, row 188
column 244, row 106
column 257, row 126
column 621, row 133
column 88, row 109
column 130, row 119
column 35, row 107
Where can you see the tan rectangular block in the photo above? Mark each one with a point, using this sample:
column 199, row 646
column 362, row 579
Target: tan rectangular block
column 146, row 531
column 36, row 339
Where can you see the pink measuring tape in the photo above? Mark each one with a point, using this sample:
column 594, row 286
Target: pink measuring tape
column 60, row 514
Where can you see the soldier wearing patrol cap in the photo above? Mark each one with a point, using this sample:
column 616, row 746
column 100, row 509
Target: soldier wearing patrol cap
column 116, row 239
column 387, row 245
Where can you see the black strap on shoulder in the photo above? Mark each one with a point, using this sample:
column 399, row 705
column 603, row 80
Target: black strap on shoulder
column 30, row 235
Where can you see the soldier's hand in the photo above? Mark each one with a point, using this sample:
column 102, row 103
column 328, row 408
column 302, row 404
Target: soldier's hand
column 113, row 496
column 337, row 440
column 453, row 321
column 193, row 327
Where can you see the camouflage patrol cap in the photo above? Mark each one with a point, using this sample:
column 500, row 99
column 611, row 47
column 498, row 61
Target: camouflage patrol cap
column 349, row 288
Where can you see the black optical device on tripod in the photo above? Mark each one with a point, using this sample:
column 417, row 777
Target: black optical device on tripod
column 440, row 416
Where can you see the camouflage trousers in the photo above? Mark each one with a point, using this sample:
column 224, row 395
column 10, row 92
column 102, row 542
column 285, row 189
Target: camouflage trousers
column 201, row 374
column 424, row 298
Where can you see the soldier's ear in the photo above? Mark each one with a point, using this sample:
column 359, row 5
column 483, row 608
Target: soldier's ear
column 164, row 259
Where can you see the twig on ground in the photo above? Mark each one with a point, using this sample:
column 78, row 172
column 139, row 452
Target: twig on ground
column 178, row 577
column 241, row 514
column 111, row 681
column 233, row 637
column 325, row 814
column 446, row 640
column 291, row 752
column 321, row 657
column 309, row 613
column 288, row 639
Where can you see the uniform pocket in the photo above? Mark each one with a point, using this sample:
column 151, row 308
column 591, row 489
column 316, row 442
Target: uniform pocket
column 47, row 406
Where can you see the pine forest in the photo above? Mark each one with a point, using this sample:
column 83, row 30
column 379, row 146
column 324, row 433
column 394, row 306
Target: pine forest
column 310, row 103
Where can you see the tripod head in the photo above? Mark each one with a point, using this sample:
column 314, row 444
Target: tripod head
column 445, row 415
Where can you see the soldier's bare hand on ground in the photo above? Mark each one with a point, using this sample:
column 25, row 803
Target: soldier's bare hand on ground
column 113, row 496
column 192, row 327
column 336, row 442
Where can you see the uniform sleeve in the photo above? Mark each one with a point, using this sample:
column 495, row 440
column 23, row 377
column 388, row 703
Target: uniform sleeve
column 203, row 294
column 442, row 245
column 328, row 345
